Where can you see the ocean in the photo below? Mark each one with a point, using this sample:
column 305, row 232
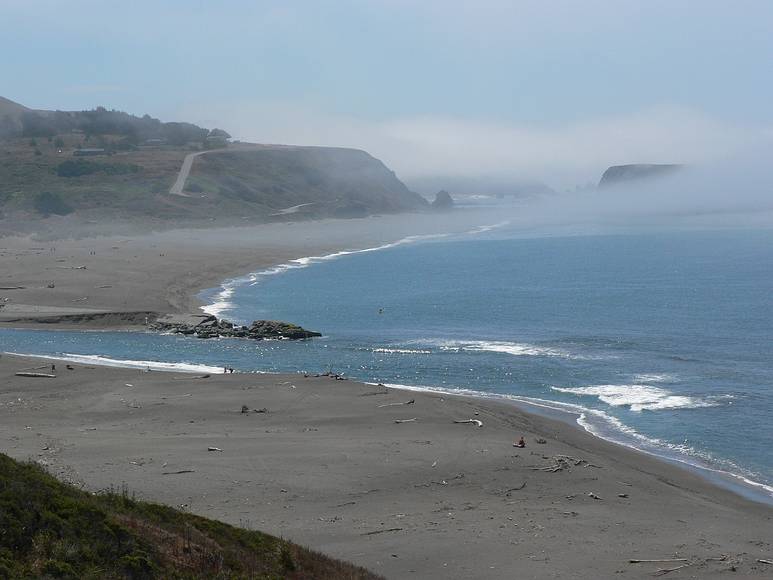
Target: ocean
column 662, row 341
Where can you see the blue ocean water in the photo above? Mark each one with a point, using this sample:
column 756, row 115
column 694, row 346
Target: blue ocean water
column 661, row 341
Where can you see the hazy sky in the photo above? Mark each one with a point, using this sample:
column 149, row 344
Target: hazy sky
column 553, row 89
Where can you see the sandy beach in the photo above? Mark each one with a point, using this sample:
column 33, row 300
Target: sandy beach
column 120, row 281
column 325, row 463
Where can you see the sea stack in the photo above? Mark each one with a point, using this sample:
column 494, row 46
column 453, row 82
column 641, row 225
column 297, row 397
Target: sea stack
column 443, row 201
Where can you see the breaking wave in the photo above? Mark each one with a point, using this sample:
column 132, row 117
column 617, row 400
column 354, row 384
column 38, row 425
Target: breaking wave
column 181, row 367
column 400, row 351
column 609, row 428
column 503, row 347
column 639, row 397
column 220, row 301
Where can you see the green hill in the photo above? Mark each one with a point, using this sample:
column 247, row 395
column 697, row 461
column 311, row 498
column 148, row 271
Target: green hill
column 51, row 530
column 331, row 181
column 104, row 166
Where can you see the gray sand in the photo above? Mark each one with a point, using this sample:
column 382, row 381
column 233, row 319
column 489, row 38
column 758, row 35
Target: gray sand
column 327, row 466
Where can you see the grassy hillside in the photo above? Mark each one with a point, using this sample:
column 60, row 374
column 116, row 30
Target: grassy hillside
column 51, row 530
column 41, row 174
column 332, row 181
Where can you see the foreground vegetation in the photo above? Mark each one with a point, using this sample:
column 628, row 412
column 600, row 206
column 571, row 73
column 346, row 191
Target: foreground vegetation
column 52, row 530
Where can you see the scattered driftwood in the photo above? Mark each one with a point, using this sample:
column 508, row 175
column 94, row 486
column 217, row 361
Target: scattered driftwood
column 594, row 496
column 178, row 472
column 383, row 531
column 384, row 392
column 214, row 449
column 664, row 571
column 411, row 402
column 476, row 422
column 197, row 377
column 519, row 488
column 441, row 482
column 246, row 409
column 540, row 440
column 12, row 287
column 658, row 560
column 35, row 368
column 564, row 462
column 405, row 420
column 35, row 375
column 763, row 561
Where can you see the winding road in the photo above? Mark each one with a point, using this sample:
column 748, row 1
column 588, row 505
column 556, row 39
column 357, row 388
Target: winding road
column 178, row 188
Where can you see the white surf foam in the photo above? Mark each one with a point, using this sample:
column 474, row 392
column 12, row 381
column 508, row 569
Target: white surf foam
column 221, row 300
column 609, row 428
column 503, row 347
column 654, row 378
column 639, row 397
column 180, row 367
column 401, row 351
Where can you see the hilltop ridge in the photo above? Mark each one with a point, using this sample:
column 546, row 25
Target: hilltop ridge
column 105, row 165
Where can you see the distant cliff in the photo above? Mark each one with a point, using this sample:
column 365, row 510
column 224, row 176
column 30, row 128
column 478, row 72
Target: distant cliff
column 104, row 166
column 625, row 174
column 326, row 181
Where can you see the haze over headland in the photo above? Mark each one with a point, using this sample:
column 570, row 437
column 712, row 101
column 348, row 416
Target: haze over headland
column 499, row 90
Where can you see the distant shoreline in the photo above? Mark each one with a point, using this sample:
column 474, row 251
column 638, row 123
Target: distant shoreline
column 117, row 281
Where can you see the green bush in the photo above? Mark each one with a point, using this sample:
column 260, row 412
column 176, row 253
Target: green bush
column 80, row 167
column 48, row 203
column 52, row 530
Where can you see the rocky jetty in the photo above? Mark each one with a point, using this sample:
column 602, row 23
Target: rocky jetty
column 210, row 327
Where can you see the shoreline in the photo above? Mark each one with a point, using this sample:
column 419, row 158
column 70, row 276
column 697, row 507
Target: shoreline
column 108, row 320
column 114, row 282
column 736, row 483
column 278, row 259
column 326, row 465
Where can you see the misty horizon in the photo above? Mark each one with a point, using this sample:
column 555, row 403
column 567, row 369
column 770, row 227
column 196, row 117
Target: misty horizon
column 505, row 92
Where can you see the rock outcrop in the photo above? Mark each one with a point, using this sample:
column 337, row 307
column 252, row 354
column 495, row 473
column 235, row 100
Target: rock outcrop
column 443, row 201
column 625, row 174
column 211, row 327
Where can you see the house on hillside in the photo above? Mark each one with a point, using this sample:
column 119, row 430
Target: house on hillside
column 89, row 152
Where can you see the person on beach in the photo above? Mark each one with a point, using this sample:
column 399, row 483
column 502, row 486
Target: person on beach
column 521, row 443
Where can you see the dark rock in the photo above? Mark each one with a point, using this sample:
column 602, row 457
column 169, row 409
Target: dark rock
column 211, row 327
column 625, row 174
column 443, row 201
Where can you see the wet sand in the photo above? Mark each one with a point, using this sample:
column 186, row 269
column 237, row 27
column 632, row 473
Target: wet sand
column 119, row 281
column 325, row 464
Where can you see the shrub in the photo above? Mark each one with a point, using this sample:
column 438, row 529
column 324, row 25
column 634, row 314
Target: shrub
column 80, row 167
column 48, row 203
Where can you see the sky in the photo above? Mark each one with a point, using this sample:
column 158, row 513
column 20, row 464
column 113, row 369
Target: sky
column 555, row 90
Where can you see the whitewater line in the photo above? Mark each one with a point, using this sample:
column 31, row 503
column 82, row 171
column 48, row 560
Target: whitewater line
column 220, row 301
